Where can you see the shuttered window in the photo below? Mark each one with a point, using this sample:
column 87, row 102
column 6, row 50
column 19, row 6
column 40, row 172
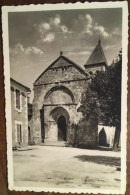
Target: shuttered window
column 17, row 99
column 19, row 133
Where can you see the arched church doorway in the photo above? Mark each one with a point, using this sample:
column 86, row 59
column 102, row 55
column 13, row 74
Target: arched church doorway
column 59, row 126
column 61, row 122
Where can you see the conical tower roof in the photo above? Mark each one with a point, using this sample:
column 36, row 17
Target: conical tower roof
column 97, row 56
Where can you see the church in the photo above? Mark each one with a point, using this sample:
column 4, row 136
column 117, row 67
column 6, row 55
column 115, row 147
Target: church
column 57, row 95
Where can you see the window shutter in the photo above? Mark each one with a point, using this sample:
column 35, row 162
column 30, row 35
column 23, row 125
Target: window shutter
column 19, row 133
column 17, row 99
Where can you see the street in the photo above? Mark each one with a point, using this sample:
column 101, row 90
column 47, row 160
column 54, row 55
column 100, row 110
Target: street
column 63, row 167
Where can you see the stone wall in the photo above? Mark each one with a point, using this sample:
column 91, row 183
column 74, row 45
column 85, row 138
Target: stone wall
column 57, row 98
column 88, row 133
column 30, row 127
column 62, row 70
column 60, row 87
column 94, row 69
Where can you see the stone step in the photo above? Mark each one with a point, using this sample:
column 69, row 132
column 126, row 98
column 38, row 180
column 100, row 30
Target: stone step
column 58, row 143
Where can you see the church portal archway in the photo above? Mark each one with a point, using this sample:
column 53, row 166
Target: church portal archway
column 61, row 118
column 61, row 123
column 59, row 95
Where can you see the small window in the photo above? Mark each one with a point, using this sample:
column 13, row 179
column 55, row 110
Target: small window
column 17, row 99
column 19, row 133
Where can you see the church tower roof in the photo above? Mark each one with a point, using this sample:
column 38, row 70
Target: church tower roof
column 97, row 56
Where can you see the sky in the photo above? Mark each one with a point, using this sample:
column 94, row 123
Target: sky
column 36, row 38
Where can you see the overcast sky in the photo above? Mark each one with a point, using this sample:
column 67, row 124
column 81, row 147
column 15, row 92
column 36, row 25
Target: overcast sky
column 36, row 38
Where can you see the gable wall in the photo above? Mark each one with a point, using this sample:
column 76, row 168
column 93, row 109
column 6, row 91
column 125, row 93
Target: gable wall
column 60, row 71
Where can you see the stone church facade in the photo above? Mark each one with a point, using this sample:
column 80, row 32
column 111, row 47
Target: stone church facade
column 57, row 94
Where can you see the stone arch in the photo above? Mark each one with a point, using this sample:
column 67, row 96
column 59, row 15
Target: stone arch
column 58, row 111
column 63, row 89
column 61, row 118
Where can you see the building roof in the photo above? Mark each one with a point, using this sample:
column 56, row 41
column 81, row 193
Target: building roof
column 97, row 56
column 27, row 88
column 66, row 59
column 76, row 65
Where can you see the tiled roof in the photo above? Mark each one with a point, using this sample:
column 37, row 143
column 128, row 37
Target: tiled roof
column 97, row 56
column 27, row 88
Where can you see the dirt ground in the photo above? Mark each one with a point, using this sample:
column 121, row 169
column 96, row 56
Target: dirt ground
column 62, row 167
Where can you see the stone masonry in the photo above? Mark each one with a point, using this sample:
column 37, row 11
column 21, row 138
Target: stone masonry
column 57, row 94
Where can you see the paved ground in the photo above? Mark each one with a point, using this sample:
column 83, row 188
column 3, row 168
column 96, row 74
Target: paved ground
column 49, row 166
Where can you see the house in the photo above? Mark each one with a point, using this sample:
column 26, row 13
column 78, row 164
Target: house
column 19, row 109
column 106, row 136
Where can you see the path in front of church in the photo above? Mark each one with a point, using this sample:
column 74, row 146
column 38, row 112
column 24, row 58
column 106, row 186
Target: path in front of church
column 63, row 167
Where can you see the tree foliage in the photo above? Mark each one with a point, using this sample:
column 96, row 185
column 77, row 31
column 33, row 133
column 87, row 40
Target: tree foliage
column 103, row 95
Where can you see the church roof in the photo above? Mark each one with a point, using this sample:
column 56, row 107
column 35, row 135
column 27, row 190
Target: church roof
column 70, row 62
column 97, row 56
column 76, row 65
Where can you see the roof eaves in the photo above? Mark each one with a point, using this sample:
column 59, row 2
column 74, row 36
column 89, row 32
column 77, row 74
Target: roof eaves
column 93, row 56
column 65, row 58
column 47, row 68
column 27, row 88
column 76, row 65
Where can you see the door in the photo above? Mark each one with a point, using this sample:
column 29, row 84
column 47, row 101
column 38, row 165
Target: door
column 61, row 128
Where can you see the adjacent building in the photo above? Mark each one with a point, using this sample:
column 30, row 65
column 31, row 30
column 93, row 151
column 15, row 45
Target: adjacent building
column 19, row 109
column 106, row 136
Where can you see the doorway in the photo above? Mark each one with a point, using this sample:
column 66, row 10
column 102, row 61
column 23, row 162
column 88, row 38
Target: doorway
column 29, row 135
column 102, row 138
column 62, row 128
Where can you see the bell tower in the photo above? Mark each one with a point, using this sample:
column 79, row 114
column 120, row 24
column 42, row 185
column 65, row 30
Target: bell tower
column 97, row 60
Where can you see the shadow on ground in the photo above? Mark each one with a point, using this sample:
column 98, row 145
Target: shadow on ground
column 105, row 160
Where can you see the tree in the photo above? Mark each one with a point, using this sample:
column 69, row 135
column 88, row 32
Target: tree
column 103, row 97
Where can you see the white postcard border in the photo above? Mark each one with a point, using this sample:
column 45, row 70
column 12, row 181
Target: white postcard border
column 62, row 6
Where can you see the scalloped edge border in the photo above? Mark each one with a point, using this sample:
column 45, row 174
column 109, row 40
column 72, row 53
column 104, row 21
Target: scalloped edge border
column 64, row 6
